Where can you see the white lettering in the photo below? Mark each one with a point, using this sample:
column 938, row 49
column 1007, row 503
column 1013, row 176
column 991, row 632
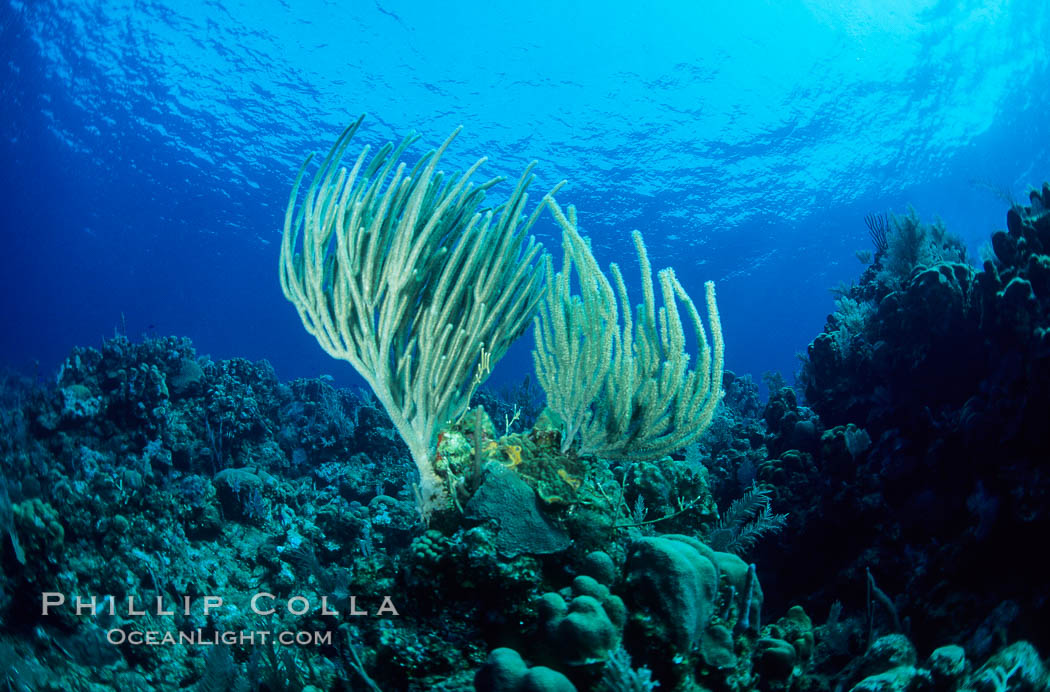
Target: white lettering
column 86, row 607
column 51, row 598
column 160, row 607
column 255, row 603
column 131, row 608
column 211, row 602
column 353, row 607
column 387, row 607
column 298, row 599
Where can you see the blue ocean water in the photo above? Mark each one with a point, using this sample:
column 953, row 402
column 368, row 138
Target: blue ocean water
column 148, row 147
column 878, row 525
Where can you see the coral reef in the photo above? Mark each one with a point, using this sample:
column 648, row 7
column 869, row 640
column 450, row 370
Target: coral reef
column 878, row 534
column 930, row 466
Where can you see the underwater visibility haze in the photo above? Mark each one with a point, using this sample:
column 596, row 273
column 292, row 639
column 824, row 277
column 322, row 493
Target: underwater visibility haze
column 556, row 346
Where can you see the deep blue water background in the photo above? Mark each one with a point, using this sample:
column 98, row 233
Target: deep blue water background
column 147, row 148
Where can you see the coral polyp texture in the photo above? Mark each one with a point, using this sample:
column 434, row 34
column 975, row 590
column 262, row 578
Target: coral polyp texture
column 623, row 382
